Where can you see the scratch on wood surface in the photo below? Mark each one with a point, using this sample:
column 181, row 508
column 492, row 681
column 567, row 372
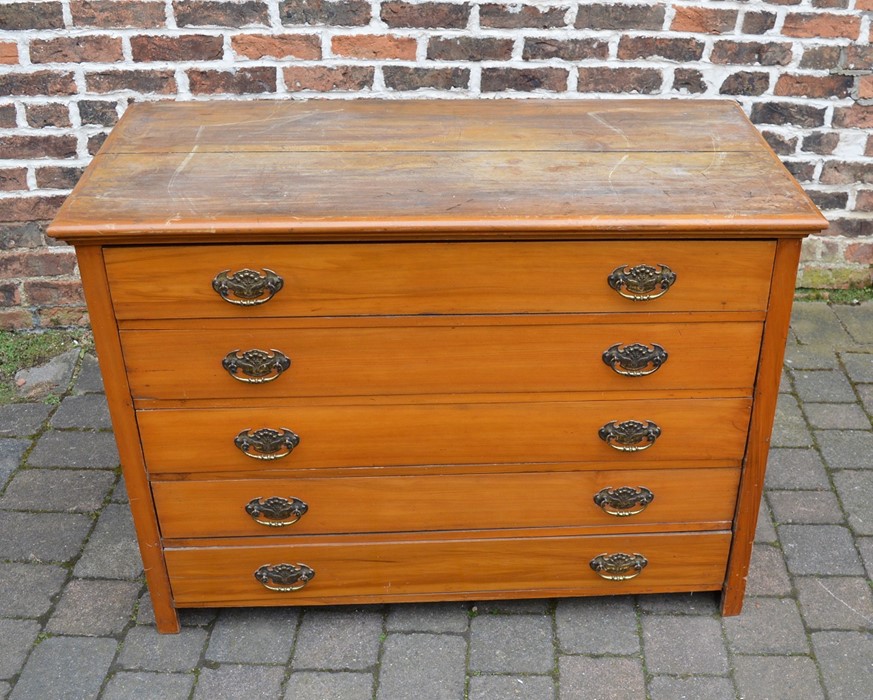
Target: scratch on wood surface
column 595, row 116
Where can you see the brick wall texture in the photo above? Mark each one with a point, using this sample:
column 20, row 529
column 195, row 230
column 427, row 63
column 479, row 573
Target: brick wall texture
column 802, row 70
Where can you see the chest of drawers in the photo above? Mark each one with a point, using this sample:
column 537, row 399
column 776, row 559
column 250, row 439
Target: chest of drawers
column 408, row 351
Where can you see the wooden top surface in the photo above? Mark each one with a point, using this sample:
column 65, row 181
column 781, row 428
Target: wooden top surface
column 382, row 170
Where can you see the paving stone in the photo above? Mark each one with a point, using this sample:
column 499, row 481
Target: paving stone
column 858, row 320
column 835, row 602
column 846, row 449
column 66, row 490
column 604, row 678
column 515, row 687
column 865, row 391
column 823, row 386
column 793, row 468
column 16, row 638
column 28, row 589
column 800, row 357
column 231, row 682
column 702, row 688
column 767, row 626
column 776, row 678
column 119, row 493
column 865, row 546
column 127, row 685
column 89, row 380
column 704, row 603
column 511, row 644
column 11, row 452
column 836, row 416
column 819, row 549
column 859, row 366
column 308, row 685
column 65, row 667
column 146, row 650
column 854, row 489
column 767, row 572
column 112, row 551
column 422, row 665
column 53, row 377
column 790, row 428
column 526, row 606
column 844, row 659
column 247, row 635
column 42, row 537
column 84, row 449
column 94, row 608
column 428, row 617
column 805, row 507
column 85, row 411
column 682, row 644
column 338, row 639
column 764, row 530
column 22, row 419
column 4, row 689
column 815, row 323
column 188, row 617
column 597, row 626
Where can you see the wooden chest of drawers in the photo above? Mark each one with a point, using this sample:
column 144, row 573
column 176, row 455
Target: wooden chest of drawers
column 408, row 351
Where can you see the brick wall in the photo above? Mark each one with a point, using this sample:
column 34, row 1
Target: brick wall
column 800, row 68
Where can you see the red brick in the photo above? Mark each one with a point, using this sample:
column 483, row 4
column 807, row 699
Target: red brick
column 58, row 177
column 305, row 46
column 854, row 117
column 415, row 78
column 96, row 141
column 758, row 22
column 12, row 179
column 76, row 49
column 705, row 20
column 37, row 263
column 521, row 16
column 865, row 87
column 864, row 202
column 644, row 81
column 745, row 82
column 38, row 84
column 53, row 292
column 10, row 295
column 205, row 13
column 543, row 48
column 859, row 58
column 801, row 170
column 334, row 13
column 100, row 112
column 672, row 48
column 853, row 228
column 191, row 47
column 8, row 119
column 63, row 316
column 620, row 15
column 28, row 234
column 689, row 80
column 15, row 319
column 52, row 114
column 8, row 52
column 325, row 78
column 864, row 5
column 241, row 81
column 831, row 4
column 821, row 25
column 162, row 82
column 751, row 52
column 821, row 57
column 821, row 142
column 118, row 13
column 813, row 85
column 787, row 113
column 783, row 145
column 869, row 150
column 523, row 79
column 31, row 15
column 828, row 201
column 31, row 208
column 860, row 253
column 37, row 146
column 837, row 172
column 468, row 48
column 374, row 46
column 425, row 14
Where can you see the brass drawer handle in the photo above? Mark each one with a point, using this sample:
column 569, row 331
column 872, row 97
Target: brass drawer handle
column 266, row 443
column 284, row 577
column 630, row 435
column 247, row 287
column 618, row 566
column 255, row 366
column 623, row 501
column 276, row 511
column 634, row 360
column 641, row 282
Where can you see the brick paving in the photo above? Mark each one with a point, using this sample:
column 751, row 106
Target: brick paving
column 75, row 620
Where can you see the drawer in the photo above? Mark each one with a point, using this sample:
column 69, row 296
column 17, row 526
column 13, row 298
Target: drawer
column 203, row 440
column 446, row 568
column 428, row 278
column 266, row 507
column 448, row 357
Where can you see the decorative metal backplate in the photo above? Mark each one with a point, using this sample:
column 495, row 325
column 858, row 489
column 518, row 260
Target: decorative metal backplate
column 618, row 566
column 641, row 282
column 623, row 501
column 276, row 511
column 634, row 360
column 247, row 287
column 630, row 435
column 284, row 577
column 266, row 443
column 255, row 366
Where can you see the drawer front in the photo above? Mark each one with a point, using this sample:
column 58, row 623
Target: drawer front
column 428, row 278
column 267, row 507
column 523, row 357
column 402, row 570
column 203, row 440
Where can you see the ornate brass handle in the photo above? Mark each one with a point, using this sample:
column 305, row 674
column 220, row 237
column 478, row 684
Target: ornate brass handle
column 276, row 511
column 247, row 287
column 634, row 360
column 266, row 443
column 624, row 501
column 630, row 435
column 255, row 366
column 641, row 282
column 618, row 566
column 284, row 577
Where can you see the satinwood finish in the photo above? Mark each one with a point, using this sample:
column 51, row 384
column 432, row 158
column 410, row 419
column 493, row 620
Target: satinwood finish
column 451, row 274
